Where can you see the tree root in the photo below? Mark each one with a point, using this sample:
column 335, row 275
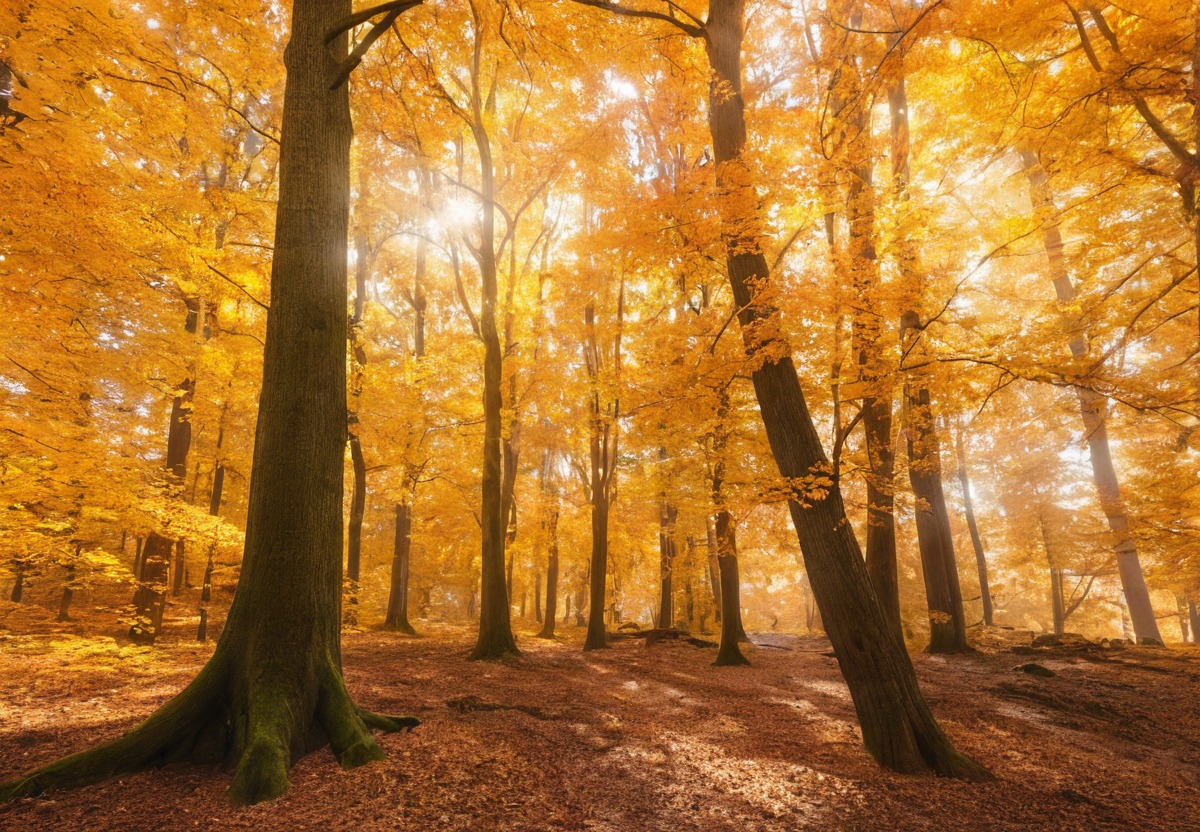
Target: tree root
column 261, row 735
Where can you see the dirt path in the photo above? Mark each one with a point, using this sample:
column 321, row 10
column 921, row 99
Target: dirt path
column 636, row 738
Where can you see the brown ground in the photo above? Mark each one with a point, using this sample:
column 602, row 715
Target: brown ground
column 636, row 738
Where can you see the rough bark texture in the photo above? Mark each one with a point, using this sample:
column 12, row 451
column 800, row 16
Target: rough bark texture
column 897, row 726
column 1092, row 408
column 273, row 688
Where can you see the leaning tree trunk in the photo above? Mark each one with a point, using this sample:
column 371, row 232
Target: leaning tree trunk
column 897, row 726
column 874, row 367
column 985, row 591
column 273, row 689
column 943, row 592
column 1092, row 407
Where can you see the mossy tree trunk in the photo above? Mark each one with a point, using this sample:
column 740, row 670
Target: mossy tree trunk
column 273, row 689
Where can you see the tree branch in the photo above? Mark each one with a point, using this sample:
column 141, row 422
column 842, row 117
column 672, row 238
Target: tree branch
column 693, row 30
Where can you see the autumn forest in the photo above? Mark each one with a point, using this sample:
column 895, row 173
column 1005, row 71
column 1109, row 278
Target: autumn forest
column 599, row 414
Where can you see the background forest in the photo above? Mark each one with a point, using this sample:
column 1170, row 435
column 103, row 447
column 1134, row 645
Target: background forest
column 140, row 146
column 585, row 244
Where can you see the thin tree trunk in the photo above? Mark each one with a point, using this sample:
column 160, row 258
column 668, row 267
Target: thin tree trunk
column 947, row 621
column 68, row 592
column 985, row 591
column 397, row 609
column 150, row 597
column 552, row 579
column 729, row 652
column 667, row 515
column 714, row 575
column 1093, row 407
column 178, row 579
column 495, row 626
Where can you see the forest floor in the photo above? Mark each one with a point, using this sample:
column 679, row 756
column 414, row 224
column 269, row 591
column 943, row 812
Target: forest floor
column 635, row 738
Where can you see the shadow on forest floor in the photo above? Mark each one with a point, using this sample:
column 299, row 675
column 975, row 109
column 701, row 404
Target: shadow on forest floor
column 638, row 738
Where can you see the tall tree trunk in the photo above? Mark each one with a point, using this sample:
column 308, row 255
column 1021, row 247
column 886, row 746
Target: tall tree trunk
column 552, row 577
column 1092, row 408
column 732, row 632
column 495, row 625
column 985, row 591
column 214, row 510
column 178, row 579
column 150, row 597
column 714, row 575
column 852, row 103
column 397, row 609
column 602, row 448
column 1194, row 618
column 897, row 726
column 537, row 596
column 667, row 515
column 1057, row 601
column 729, row 652
column 947, row 620
column 68, row 591
column 358, row 462
column 943, row 594
column 274, row 683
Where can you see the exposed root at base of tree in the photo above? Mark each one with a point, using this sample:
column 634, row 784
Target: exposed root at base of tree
column 260, row 730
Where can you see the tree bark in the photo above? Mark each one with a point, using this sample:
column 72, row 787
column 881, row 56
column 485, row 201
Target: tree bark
column 943, row 593
column 495, row 625
column 149, row 600
column 397, row 609
column 985, row 591
column 273, row 689
column 667, row 515
column 1092, row 408
column 552, row 577
column 68, row 592
column 898, row 728
column 714, row 575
